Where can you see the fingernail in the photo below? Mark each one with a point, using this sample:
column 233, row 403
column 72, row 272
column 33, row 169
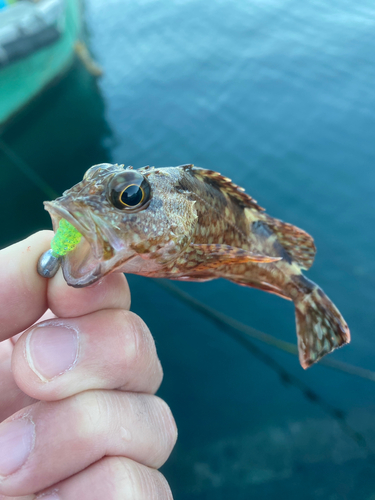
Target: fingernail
column 16, row 442
column 51, row 350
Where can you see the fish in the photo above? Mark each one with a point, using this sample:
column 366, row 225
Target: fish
column 193, row 224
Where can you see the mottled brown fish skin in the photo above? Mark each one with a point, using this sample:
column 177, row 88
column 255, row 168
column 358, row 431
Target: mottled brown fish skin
column 199, row 226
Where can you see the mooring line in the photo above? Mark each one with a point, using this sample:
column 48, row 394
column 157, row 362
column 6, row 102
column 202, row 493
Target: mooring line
column 29, row 172
column 266, row 338
column 236, row 329
column 209, row 311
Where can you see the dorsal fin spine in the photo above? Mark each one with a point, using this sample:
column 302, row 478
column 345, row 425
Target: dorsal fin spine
column 226, row 185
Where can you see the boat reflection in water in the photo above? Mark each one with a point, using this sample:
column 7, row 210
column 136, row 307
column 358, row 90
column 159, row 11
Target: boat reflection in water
column 37, row 43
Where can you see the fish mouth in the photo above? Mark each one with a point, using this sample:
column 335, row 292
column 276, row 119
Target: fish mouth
column 98, row 251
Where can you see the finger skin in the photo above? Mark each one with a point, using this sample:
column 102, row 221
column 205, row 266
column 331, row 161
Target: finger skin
column 73, row 433
column 112, row 292
column 12, row 398
column 23, row 293
column 76, row 432
column 115, row 350
column 113, row 478
column 27, row 497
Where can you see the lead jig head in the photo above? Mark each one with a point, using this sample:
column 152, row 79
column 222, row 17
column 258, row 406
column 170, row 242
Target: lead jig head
column 48, row 264
column 65, row 240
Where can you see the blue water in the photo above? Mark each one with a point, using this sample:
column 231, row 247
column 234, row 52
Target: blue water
column 279, row 96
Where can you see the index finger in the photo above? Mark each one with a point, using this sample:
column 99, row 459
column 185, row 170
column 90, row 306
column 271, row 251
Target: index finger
column 23, row 293
column 25, row 296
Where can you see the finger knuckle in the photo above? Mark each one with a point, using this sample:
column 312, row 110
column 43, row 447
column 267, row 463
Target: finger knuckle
column 116, row 478
column 123, row 475
column 152, row 484
column 136, row 339
column 167, row 425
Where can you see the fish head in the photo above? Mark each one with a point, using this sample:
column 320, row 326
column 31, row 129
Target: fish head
column 130, row 221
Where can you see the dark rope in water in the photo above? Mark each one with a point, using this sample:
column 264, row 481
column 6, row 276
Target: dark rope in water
column 29, row 172
column 236, row 330
column 266, row 338
column 247, row 330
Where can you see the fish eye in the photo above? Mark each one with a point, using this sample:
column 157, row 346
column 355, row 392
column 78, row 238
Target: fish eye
column 129, row 191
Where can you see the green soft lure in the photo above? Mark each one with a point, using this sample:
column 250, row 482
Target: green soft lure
column 65, row 240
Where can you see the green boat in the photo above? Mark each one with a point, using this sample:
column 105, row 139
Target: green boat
column 38, row 42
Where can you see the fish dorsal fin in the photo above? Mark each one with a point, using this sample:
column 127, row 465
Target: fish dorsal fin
column 225, row 185
column 299, row 244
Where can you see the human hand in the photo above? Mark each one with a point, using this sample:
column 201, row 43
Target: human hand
column 79, row 416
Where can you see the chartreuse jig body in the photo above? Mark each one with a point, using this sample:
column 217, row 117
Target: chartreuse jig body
column 65, row 240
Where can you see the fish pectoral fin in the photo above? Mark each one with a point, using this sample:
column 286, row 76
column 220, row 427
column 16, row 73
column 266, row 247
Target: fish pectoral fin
column 215, row 255
column 260, row 285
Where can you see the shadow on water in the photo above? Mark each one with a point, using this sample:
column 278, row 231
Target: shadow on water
column 58, row 137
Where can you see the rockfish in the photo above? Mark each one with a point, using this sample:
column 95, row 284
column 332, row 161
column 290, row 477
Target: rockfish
column 188, row 223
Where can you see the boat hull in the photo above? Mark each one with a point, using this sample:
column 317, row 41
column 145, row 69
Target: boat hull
column 23, row 80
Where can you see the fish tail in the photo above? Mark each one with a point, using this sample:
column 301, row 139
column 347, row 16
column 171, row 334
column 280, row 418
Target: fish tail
column 320, row 326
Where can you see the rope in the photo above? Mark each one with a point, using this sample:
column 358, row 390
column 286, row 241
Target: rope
column 282, row 345
column 236, row 330
column 35, row 178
